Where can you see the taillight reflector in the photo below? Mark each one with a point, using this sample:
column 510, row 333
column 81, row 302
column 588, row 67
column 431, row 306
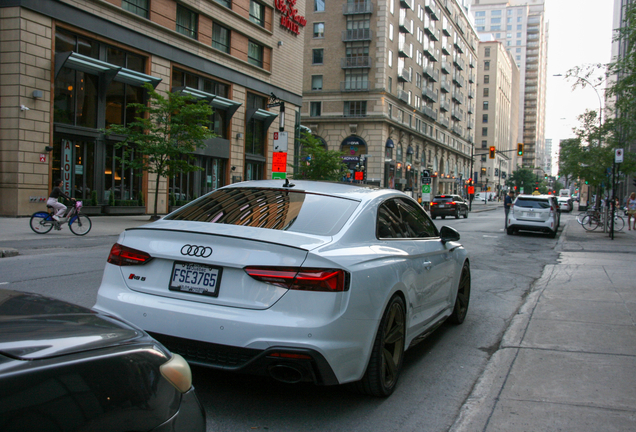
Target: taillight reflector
column 124, row 256
column 327, row 280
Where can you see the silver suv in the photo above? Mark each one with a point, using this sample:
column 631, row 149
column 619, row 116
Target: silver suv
column 534, row 213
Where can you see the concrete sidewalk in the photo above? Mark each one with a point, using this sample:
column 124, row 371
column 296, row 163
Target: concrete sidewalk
column 568, row 359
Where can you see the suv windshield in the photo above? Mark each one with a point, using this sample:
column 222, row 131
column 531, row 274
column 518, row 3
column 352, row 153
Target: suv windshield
column 443, row 199
column 276, row 209
column 537, row 203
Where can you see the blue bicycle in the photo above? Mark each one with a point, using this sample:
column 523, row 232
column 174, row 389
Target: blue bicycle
column 79, row 224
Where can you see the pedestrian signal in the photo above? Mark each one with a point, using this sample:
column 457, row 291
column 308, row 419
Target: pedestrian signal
column 492, row 152
column 520, row 149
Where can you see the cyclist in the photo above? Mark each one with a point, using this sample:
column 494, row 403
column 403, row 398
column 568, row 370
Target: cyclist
column 59, row 208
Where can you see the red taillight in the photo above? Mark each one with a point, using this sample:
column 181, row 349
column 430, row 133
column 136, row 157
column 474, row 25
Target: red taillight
column 328, row 280
column 433, row 203
column 125, row 256
column 453, row 202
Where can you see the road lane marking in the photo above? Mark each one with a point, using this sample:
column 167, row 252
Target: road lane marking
column 490, row 236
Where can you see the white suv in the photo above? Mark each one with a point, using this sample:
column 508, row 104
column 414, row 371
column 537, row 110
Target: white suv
column 534, row 213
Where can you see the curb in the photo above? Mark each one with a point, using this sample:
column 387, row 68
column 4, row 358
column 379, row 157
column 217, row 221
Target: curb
column 8, row 252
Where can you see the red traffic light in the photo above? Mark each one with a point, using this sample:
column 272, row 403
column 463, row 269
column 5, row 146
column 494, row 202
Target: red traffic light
column 492, row 152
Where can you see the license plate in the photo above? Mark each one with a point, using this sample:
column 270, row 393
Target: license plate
column 195, row 278
column 442, row 206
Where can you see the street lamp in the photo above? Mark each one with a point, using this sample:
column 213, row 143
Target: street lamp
column 600, row 103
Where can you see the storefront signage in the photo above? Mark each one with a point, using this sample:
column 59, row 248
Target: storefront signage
column 353, row 141
column 289, row 16
column 67, row 159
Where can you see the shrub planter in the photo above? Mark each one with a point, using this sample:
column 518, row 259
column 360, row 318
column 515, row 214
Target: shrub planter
column 124, row 210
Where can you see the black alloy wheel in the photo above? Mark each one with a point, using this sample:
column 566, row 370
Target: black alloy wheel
column 457, row 213
column 385, row 363
column 463, row 297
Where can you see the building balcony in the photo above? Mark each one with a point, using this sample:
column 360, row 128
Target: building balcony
column 446, row 68
column 471, row 62
column 359, row 7
column 428, row 49
column 357, row 35
column 404, row 75
column 403, row 95
column 429, row 112
column 458, row 130
column 354, row 86
column 458, row 78
column 461, row 27
column 444, row 105
column 533, row 29
column 471, row 108
column 470, row 138
column 458, row 97
column 431, row 7
column 446, row 48
column 459, row 62
column 470, row 124
column 471, row 77
column 445, row 86
column 356, row 62
column 456, row 114
column 405, row 50
column 405, row 25
column 407, row 4
column 471, row 94
column 429, row 94
column 446, row 4
column 444, row 121
column 429, row 27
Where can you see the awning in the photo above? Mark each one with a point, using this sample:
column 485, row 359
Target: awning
column 228, row 105
column 82, row 63
column 266, row 117
column 199, row 94
column 389, row 143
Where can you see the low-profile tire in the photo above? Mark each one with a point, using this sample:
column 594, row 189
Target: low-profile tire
column 433, row 217
column 552, row 234
column 460, row 309
column 457, row 214
column 466, row 214
column 443, row 217
column 509, row 231
column 387, row 354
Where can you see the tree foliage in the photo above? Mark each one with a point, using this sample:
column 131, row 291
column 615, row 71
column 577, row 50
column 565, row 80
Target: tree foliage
column 164, row 135
column 526, row 179
column 318, row 163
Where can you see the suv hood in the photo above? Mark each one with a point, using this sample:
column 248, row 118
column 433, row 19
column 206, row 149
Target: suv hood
column 33, row 327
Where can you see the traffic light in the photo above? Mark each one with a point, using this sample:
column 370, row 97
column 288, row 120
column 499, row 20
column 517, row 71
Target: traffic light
column 492, row 152
column 586, row 182
column 520, row 149
column 546, row 176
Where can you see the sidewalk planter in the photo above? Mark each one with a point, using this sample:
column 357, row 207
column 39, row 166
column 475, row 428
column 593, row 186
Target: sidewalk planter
column 123, row 210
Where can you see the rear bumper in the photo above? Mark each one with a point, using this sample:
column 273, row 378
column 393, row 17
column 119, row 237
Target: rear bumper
column 435, row 211
column 547, row 226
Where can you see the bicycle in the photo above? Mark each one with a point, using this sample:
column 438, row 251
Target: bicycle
column 595, row 219
column 79, row 224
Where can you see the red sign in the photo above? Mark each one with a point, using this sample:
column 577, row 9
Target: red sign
column 42, row 157
column 289, row 18
column 279, row 162
column 471, row 190
column 358, row 175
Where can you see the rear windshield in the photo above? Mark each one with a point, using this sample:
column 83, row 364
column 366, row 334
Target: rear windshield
column 532, row 203
column 443, row 199
column 276, row 209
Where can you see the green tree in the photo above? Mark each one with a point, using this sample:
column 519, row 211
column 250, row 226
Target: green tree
column 164, row 134
column 523, row 178
column 318, row 163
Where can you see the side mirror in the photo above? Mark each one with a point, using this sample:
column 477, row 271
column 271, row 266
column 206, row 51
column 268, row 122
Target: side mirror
column 448, row 234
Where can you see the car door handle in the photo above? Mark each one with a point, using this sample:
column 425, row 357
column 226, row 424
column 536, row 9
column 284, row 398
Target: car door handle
column 427, row 265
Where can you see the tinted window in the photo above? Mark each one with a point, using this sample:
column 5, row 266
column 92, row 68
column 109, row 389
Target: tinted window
column 284, row 210
column 399, row 218
column 532, row 203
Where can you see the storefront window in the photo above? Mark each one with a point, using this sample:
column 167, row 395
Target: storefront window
column 119, row 178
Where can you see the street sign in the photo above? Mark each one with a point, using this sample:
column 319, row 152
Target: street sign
column 274, row 105
column 279, row 175
column 426, row 193
column 471, row 190
column 426, row 180
column 279, row 162
column 280, row 141
column 618, row 156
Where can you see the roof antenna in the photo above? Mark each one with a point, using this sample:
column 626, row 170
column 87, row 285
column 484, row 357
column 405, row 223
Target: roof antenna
column 288, row 184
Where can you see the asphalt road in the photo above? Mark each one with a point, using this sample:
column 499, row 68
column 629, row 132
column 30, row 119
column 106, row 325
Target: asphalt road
column 438, row 374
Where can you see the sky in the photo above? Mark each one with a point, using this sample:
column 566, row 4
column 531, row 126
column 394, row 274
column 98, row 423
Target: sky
column 580, row 33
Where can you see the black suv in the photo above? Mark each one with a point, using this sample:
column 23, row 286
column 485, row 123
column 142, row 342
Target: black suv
column 449, row 205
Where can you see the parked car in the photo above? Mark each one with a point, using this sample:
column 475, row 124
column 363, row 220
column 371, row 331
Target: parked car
column 538, row 213
column 306, row 281
column 68, row 368
column 449, row 205
column 565, row 204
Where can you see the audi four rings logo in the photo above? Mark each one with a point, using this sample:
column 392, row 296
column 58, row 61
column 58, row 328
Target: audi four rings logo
column 196, row 251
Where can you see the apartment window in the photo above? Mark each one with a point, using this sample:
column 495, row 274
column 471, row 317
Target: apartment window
column 486, row 79
column 480, row 14
column 484, row 144
column 509, row 12
column 518, row 50
column 390, row 58
column 480, row 21
column 317, row 57
column 518, row 58
column 497, row 35
column 519, row 26
column 316, row 82
column 518, row 42
column 392, row 6
column 508, row 27
column 495, row 13
column 356, row 80
column 138, row 7
column 221, row 38
column 418, row 80
column 519, row 35
column 484, row 118
column 355, row 109
column 391, row 32
column 495, row 20
column 486, row 92
column 390, row 84
column 496, row 28
column 508, row 43
column 485, row 106
column 257, row 13
column 508, row 35
column 481, row 28
column 508, row 20
column 315, row 109
column 319, row 5
column 226, row 3
column 518, row 19
column 487, row 52
column 255, row 54
column 484, row 131
column 186, row 22
column 319, row 30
